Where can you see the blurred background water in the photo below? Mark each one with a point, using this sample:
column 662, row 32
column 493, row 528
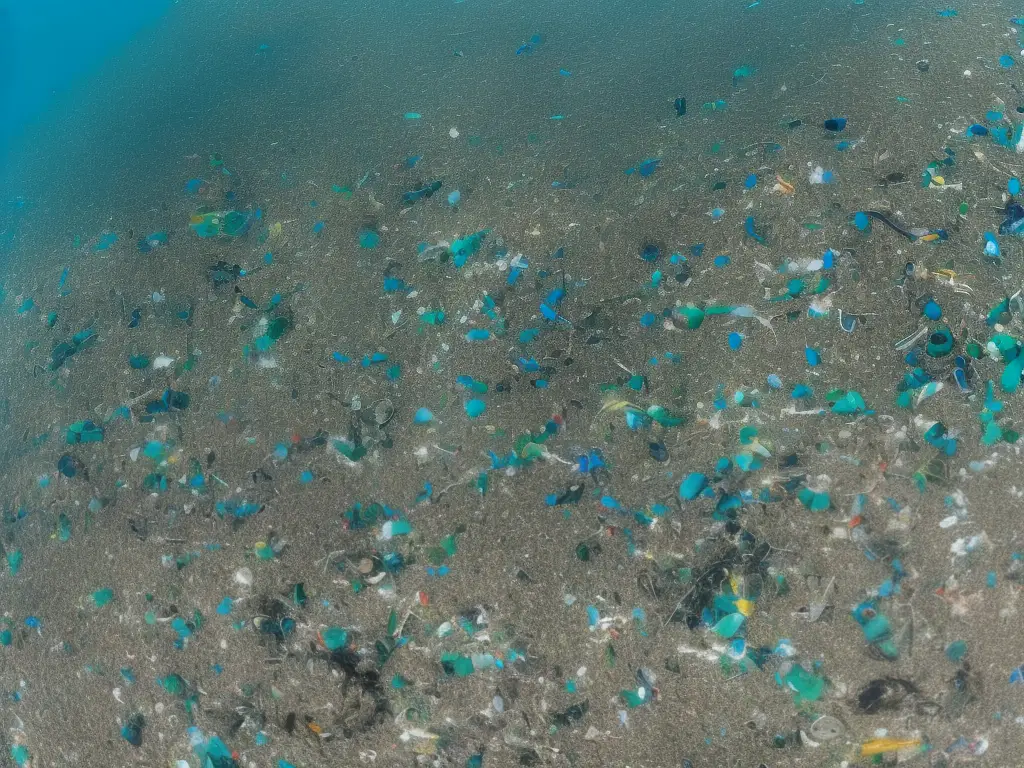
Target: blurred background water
column 51, row 47
column 101, row 102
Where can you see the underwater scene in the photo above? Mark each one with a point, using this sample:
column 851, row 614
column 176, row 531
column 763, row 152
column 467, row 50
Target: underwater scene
column 469, row 383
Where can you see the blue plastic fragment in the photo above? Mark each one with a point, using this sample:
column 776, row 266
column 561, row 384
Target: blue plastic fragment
column 835, row 124
column 692, row 486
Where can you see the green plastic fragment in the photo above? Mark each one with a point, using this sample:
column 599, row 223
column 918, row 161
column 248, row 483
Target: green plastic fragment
column 174, row 684
column 102, row 597
column 264, row 551
column 1010, row 380
column 368, row 239
column 992, row 434
column 633, row 698
column 850, row 402
column 334, row 638
column 729, row 625
column 64, row 527
column 805, row 685
column 661, row 415
column 20, row 755
column 815, row 501
column 220, row 223
column 940, row 342
column 719, row 309
column 14, row 560
column 456, row 664
column 1007, row 345
column 278, row 327
column 84, row 432
column 956, row 651
column 693, row 315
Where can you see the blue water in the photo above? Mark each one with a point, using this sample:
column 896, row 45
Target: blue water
column 49, row 47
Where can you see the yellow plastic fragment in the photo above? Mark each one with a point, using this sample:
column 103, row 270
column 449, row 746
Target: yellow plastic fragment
column 881, row 746
column 746, row 607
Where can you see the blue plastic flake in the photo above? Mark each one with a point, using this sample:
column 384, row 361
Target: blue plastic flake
column 1013, row 186
column 692, row 486
column 812, row 355
column 861, row 221
column 751, row 181
column 835, row 124
column 735, row 340
column 650, row 252
column 475, row 408
column 801, row 392
column 1006, row 61
column 648, row 319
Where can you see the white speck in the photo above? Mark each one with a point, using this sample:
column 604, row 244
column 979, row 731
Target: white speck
column 453, row 132
column 967, row 73
column 162, row 361
column 243, row 576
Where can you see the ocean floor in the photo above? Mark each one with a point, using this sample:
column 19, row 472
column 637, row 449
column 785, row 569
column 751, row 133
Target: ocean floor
column 511, row 384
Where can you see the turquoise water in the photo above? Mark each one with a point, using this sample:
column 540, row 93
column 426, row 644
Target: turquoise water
column 420, row 383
